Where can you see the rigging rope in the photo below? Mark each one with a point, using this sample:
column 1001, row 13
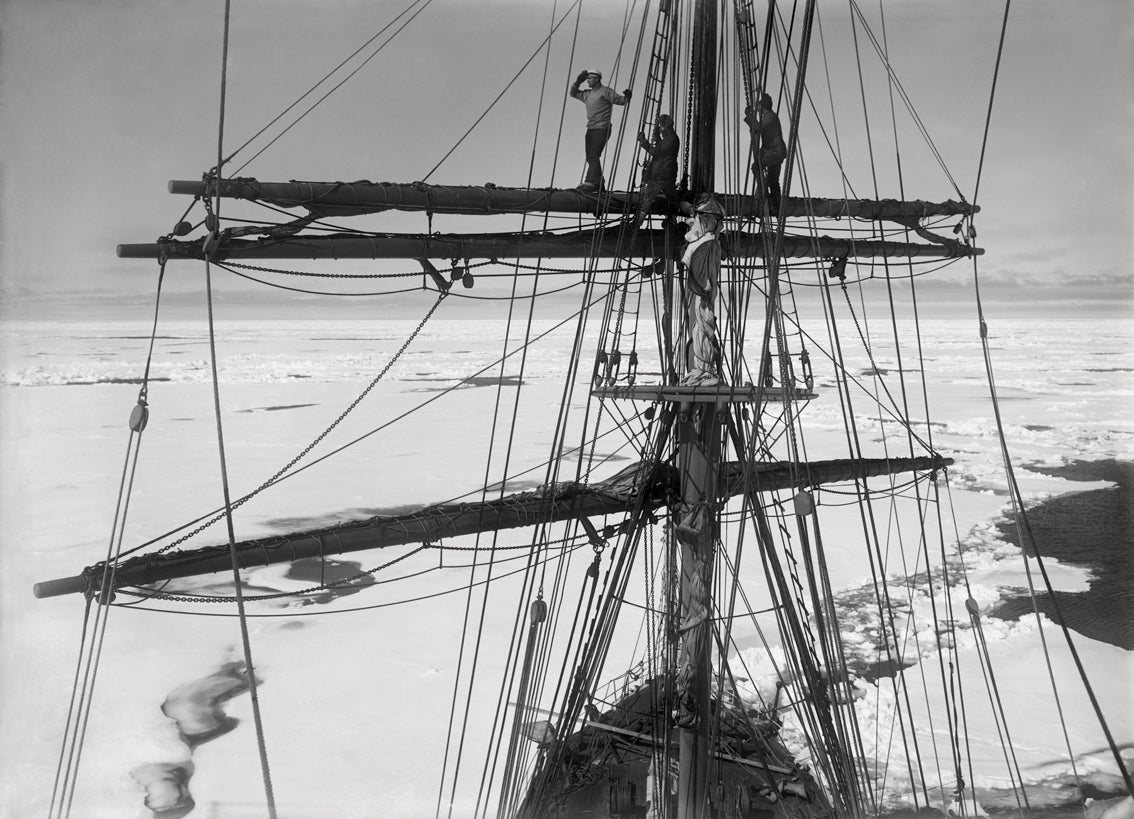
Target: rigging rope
column 68, row 741
column 507, row 798
column 94, row 655
column 282, row 473
column 310, row 90
column 988, row 117
column 534, row 560
column 1023, row 521
column 142, row 597
column 249, row 668
column 1014, row 488
column 79, row 707
column 229, row 506
column 360, row 438
column 949, row 715
column 491, row 105
column 333, row 89
column 869, row 528
column 905, row 98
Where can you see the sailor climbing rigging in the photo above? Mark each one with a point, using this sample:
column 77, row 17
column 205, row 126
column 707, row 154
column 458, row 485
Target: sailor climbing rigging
column 659, row 175
column 768, row 148
column 598, row 98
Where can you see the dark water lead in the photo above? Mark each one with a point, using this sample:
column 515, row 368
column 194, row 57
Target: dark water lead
column 1092, row 529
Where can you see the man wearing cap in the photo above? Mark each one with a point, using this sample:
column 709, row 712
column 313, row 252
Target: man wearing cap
column 768, row 148
column 598, row 99
column 701, row 261
column 659, row 176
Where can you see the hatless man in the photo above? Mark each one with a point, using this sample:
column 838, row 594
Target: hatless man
column 768, row 148
column 659, row 176
column 599, row 100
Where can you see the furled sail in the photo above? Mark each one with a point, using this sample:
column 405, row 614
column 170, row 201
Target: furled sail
column 581, row 244
column 355, row 198
column 646, row 486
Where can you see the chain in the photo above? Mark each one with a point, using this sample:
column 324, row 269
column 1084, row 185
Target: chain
column 209, row 598
column 567, row 542
column 407, row 275
column 240, row 501
column 688, row 127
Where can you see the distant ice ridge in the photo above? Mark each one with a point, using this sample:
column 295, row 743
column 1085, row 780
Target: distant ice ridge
column 1085, row 359
column 262, row 369
column 267, row 352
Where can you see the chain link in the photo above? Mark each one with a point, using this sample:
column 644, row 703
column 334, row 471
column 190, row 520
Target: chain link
column 333, row 584
column 407, row 275
column 566, row 542
column 241, row 501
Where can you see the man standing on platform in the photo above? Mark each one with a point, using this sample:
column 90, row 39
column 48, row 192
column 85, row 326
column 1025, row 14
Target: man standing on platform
column 598, row 99
column 702, row 263
column 768, row 148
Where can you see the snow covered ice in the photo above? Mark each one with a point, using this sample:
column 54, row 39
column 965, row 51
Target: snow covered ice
column 356, row 705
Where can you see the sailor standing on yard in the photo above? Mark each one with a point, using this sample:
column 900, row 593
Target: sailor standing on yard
column 598, row 99
column 768, row 148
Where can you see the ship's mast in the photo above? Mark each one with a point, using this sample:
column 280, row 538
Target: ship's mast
column 699, row 455
column 699, row 409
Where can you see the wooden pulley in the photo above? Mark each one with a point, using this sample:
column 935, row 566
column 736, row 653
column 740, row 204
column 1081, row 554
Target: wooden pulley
column 139, row 416
column 538, row 611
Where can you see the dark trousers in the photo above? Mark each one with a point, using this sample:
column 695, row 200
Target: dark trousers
column 772, row 173
column 650, row 192
column 769, row 175
column 596, row 141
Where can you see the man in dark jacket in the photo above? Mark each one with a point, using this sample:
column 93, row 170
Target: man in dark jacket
column 659, row 175
column 768, row 148
column 598, row 99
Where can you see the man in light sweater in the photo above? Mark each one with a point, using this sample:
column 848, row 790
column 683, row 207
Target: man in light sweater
column 598, row 99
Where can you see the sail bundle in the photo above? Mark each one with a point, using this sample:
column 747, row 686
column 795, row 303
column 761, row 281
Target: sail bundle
column 333, row 199
column 652, row 485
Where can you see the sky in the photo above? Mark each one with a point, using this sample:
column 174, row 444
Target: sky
column 103, row 101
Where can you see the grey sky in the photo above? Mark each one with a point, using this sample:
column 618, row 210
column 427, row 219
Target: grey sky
column 103, row 101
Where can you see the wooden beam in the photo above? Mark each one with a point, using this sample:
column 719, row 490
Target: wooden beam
column 583, row 244
column 338, row 199
column 433, row 523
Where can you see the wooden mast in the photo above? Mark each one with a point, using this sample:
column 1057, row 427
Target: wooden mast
column 699, row 455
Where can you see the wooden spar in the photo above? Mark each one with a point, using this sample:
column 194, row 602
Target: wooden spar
column 560, row 502
column 339, row 199
column 584, row 244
